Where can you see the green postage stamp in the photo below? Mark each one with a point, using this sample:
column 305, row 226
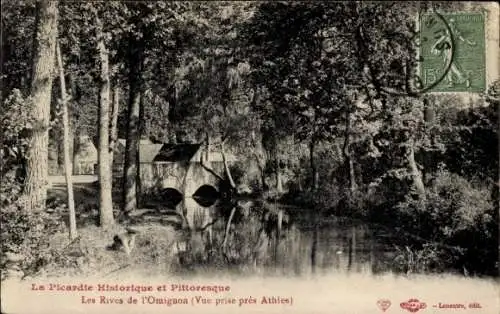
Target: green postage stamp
column 452, row 52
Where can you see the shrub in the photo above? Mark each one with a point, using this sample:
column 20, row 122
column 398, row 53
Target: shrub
column 23, row 233
column 455, row 227
column 27, row 234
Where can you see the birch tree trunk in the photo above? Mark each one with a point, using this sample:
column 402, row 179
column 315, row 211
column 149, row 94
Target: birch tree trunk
column 105, row 183
column 66, row 147
column 41, row 91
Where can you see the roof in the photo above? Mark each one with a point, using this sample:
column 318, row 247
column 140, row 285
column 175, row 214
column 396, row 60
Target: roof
column 123, row 142
column 148, row 152
column 217, row 157
column 177, row 152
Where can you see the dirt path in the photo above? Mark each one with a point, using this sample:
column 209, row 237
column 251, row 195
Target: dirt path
column 60, row 180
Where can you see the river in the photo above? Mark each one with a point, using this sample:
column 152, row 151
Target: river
column 332, row 245
column 302, row 246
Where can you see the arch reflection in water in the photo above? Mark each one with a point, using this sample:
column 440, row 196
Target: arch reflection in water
column 171, row 197
column 206, row 195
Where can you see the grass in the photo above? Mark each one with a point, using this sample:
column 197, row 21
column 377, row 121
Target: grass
column 90, row 253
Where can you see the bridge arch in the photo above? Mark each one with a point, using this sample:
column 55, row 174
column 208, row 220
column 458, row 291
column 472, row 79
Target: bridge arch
column 199, row 182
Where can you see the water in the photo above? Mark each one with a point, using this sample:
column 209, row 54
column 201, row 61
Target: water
column 333, row 245
column 300, row 246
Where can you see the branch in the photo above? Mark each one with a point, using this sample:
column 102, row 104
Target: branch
column 228, row 226
column 210, row 169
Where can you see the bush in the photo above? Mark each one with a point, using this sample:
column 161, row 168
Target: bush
column 23, row 234
column 456, row 227
column 27, row 235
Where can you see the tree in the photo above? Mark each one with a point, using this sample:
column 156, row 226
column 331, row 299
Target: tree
column 113, row 127
column 66, row 146
column 153, row 43
column 90, row 41
column 304, row 68
column 41, row 91
column 105, row 182
column 131, row 170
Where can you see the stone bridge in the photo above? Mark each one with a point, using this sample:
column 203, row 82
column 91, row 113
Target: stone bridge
column 184, row 183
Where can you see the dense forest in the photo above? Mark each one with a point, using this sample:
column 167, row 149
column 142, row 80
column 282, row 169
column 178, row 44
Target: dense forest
column 313, row 106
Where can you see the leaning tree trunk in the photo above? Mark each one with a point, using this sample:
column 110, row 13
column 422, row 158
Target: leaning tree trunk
column 66, row 148
column 226, row 167
column 106, row 218
column 41, row 92
column 132, row 147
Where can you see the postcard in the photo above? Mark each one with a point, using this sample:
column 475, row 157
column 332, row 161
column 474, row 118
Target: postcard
column 250, row 157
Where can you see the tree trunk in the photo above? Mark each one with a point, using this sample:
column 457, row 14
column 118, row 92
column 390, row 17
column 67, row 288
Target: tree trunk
column 41, row 92
column 279, row 179
column 66, row 148
column 207, row 148
column 105, row 182
column 228, row 228
column 138, row 158
column 352, row 250
column 226, row 167
column 316, row 214
column 352, row 178
column 76, row 146
column 347, row 153
column 60, row 151
column 314, row 245
column 259, row 155
column 113, row 139
column 314, row 172
column 131, row 168
column 418, row 183
column 429, row 117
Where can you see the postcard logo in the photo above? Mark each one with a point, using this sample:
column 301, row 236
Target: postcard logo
column 413, row 305
column 383, row 304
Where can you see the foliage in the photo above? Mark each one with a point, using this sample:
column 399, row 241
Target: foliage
column 18, row 24
column 456, row 219
column 23, row 233
column 15, row 126
column 27, row 234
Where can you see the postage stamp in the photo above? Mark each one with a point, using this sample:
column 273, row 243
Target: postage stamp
column 452, row 52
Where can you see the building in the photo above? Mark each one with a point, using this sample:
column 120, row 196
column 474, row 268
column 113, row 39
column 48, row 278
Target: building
column 174, row 166
column 86, row 157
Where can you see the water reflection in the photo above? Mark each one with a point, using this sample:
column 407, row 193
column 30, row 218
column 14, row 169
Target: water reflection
column 330, row 246
column 269, row 239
